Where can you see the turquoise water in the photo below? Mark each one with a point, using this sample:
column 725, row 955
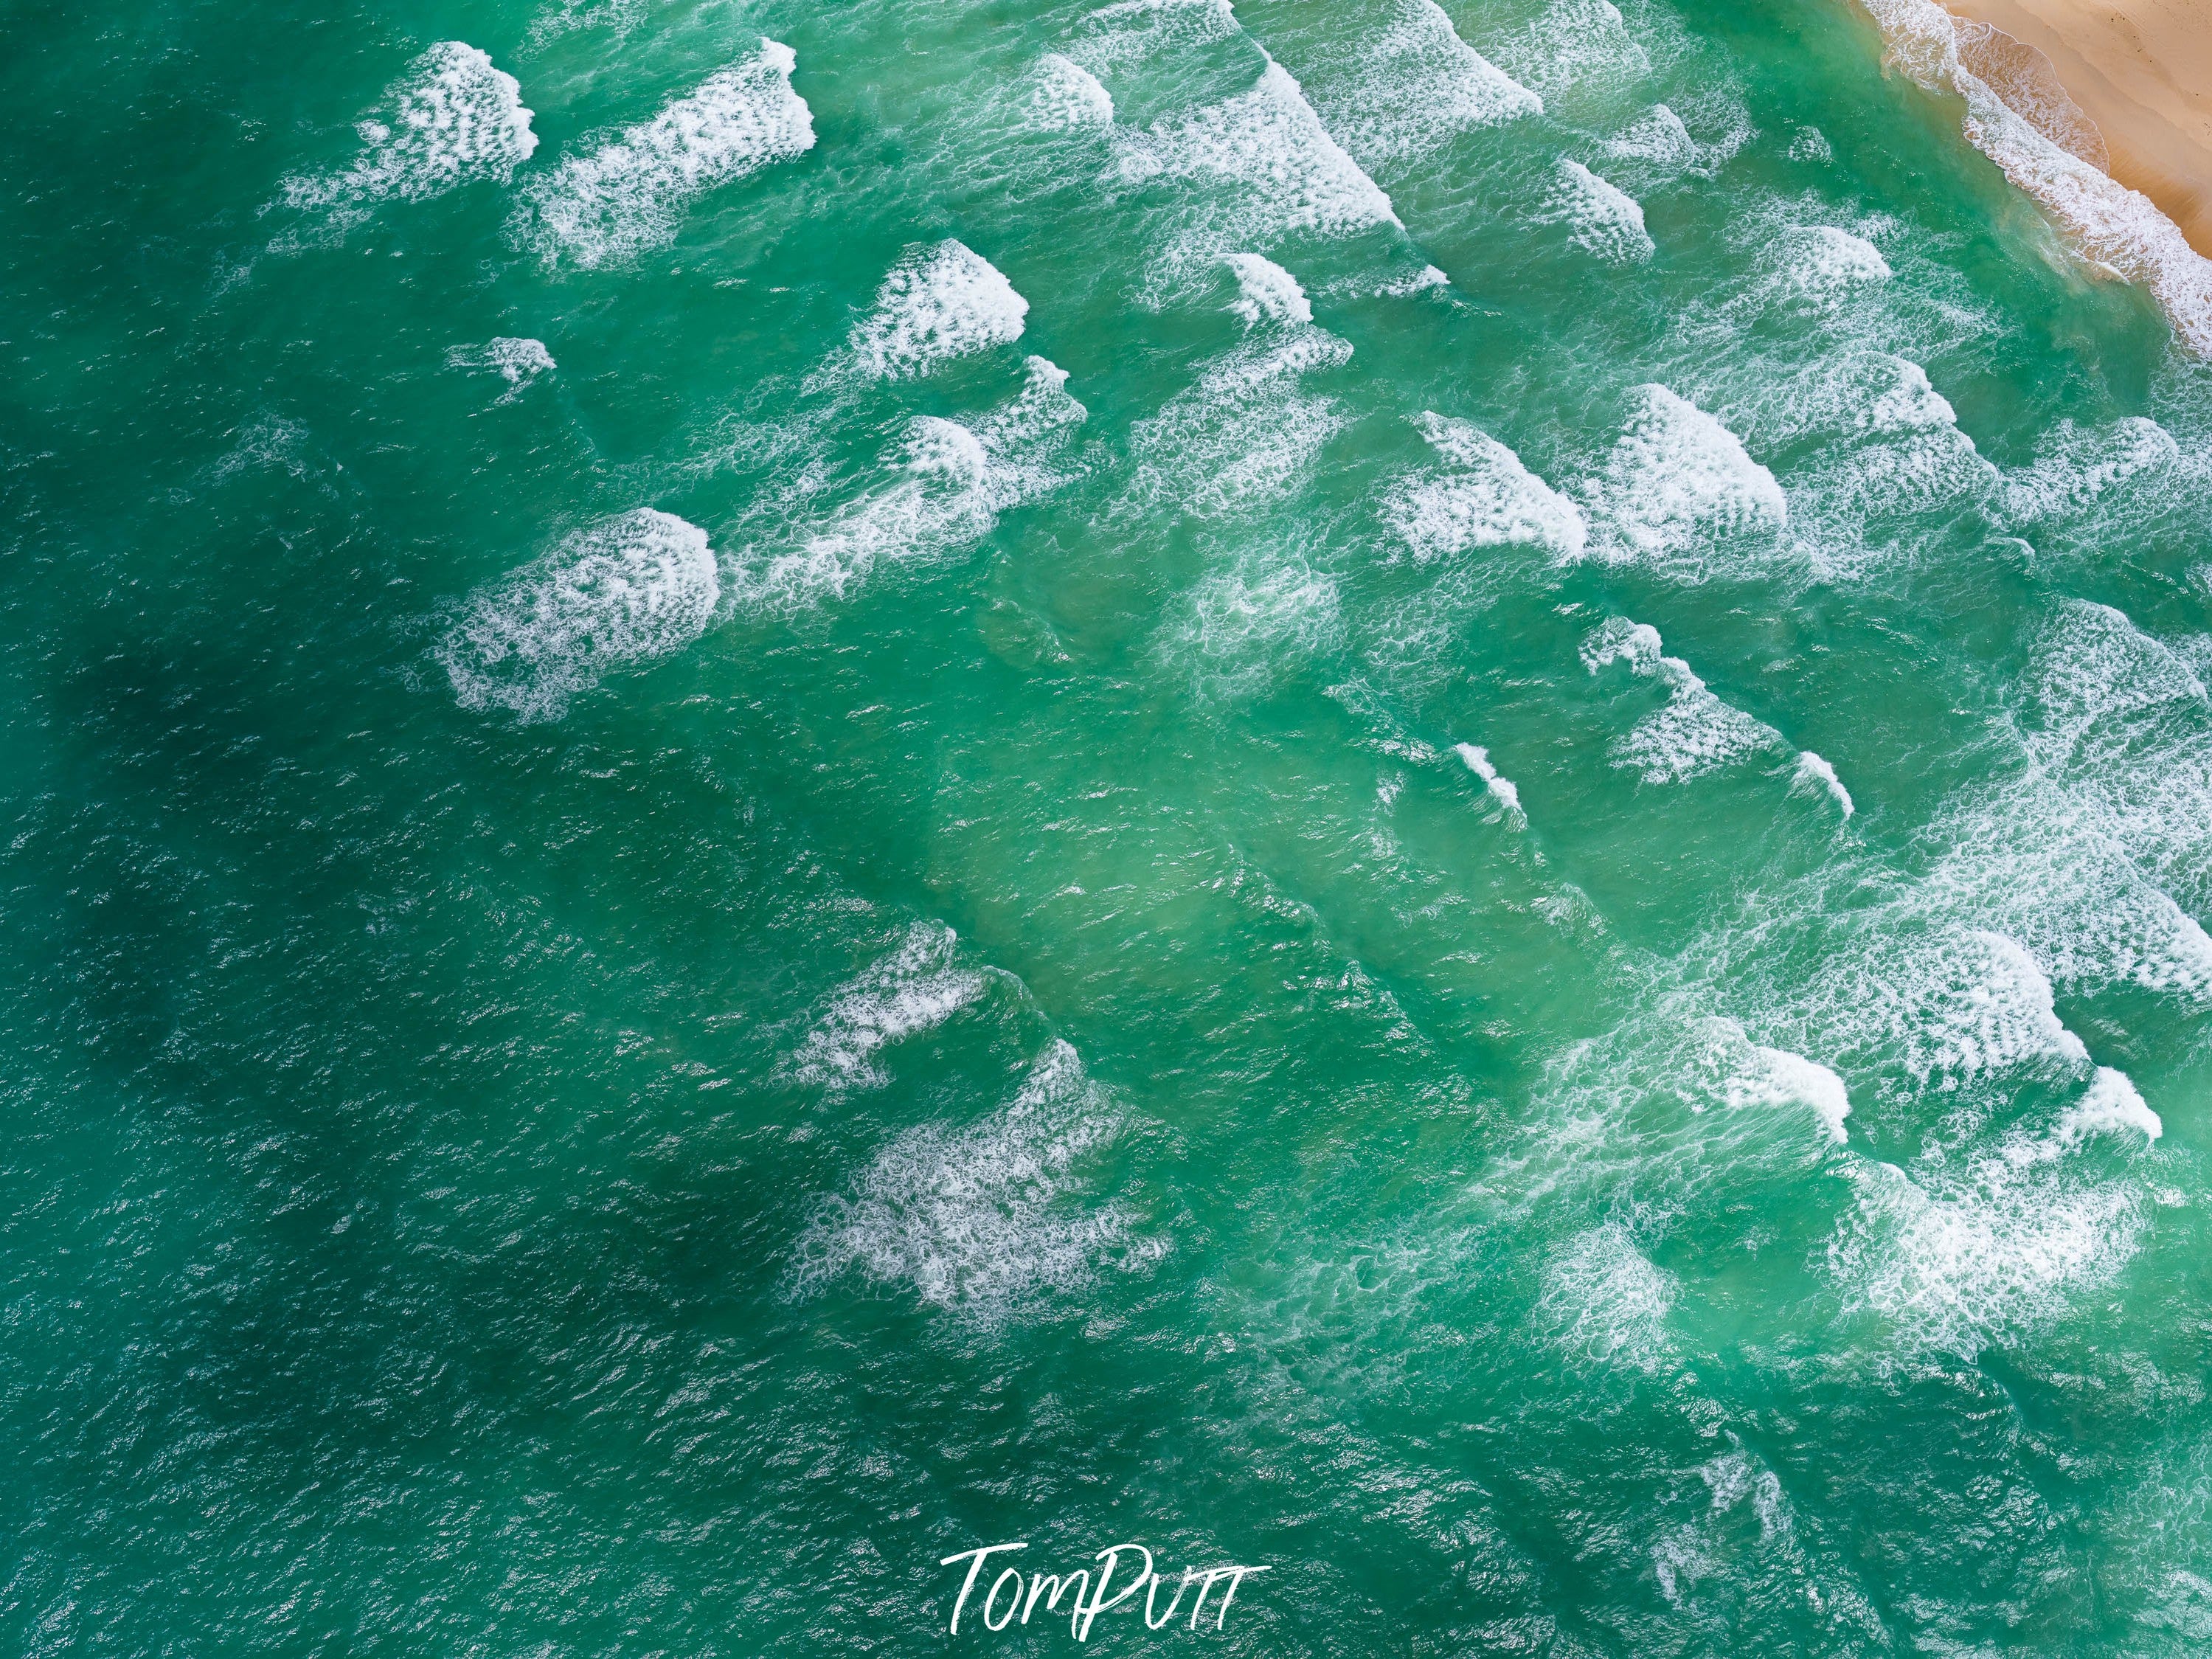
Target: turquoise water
column 1417, row 794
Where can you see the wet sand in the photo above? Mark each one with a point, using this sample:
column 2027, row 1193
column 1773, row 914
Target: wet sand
column 2139, row 71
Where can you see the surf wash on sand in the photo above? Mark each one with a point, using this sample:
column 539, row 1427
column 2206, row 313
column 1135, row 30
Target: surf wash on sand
column 2119, row 232
column 1049, row 1587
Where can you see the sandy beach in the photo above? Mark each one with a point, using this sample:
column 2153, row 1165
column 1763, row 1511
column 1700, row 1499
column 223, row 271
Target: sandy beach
column 2139, row 70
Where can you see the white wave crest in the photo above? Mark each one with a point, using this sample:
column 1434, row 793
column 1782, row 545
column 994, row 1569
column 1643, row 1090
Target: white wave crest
column 2097, row 684
column 1577, row 44
column 981, row 1220
column 2119, row 725
column 630, row 193
column 2078, row 465
column 1850, row 394
column 1957, row 1263
column 1775, row 1076
column 517, row 362
column 1952, row 1008
column 915, row 989
column 1675, row 478
column 454, row 119
column 628, row 590
column 1695, row 732
column 950, row 482
column 1477, row 760
column 935, row 303
column 1658, row 139
column 1282, row 172
column 1877, row 445
column 1718, row 1065
column 2056, row 866
column 1813, row 269
column 1484, row 498
column 1606, row 219
column 1815, row 777
column 2110, row 1105
column 1413, row 87
column 1146, row 29
column 1416, row 282
column 1266, row 292
column 1064, row 95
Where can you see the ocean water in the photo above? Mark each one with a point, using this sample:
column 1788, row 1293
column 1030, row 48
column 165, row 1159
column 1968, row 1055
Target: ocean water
column 1417, row 791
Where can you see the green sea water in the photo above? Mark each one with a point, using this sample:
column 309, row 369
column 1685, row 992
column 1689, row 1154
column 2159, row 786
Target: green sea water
column 1415, row 792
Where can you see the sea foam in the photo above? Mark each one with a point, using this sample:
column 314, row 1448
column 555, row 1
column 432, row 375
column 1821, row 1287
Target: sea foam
column 935, row 303
column 516, row 360
column 1815, row 777
column 1502, row 790
column 917, row 986
column 1603, row 219
column 1064, row 96
column 1274, row 168
column 1658, row 139
column 951, row 480
column 454, row 119
column 625, row 591
column 629, row 194
column 1246, row 432
column 1576, row 44
column 1695, row 732
column 1810, row 145
column 1953, row 1007
column 1958, row 1262
column 1482, row 496
column 2077, row 465
column 1675, row 480
column 981, row 1220
column 1604, row 1303
column 1872, row 444
column 1147, row 29
column 1264, row 614
column 2109, row 224
column 1412, row 86
column 1813, row 269
column 2029, row 85
column 1266, row 292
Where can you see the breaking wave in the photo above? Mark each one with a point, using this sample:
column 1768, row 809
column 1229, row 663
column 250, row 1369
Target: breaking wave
column 1695, row 732
column 935, row 303
column 455, row 119
column 982, row 1220
column 629, row 195
column 623, row 591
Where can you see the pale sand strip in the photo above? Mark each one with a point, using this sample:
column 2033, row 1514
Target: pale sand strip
column 2042, row 145
column 2141, row 70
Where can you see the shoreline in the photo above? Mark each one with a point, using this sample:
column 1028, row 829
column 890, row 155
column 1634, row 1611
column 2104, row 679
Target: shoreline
column 2037, row 146
column 2138, row 71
